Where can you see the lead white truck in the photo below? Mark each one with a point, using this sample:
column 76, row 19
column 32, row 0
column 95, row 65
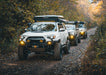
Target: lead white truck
column 44, row 36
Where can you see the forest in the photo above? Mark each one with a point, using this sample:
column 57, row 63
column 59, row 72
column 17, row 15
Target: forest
column 16, row 14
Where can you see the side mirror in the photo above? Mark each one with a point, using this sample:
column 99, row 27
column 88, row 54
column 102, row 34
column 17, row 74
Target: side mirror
column 26, row 29
column 29, row 24
column 62, row 29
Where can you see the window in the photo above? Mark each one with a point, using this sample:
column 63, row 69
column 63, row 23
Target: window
column 60, row 26
column 43, row 27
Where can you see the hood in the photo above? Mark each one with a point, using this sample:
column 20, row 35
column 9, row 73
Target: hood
column 38, row 33
column 71, row 32
column 82, row 29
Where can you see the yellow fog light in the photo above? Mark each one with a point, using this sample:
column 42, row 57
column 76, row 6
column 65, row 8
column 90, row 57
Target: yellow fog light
column 28, row 40
column 49, row 42
column 71, row 37
column 35, row 46
column 82, row 32
column 22, row 43
column 41, row 40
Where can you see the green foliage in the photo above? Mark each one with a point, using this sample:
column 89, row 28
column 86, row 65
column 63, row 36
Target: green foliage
column 12, row 19
column 15, row 14
column 94, row 59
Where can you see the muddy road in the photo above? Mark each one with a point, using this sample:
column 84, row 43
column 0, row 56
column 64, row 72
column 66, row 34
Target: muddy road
column 45, row 64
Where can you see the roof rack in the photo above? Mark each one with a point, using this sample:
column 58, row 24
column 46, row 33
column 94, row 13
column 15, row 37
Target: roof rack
column 60, row 16
column 42, row 18
column 71, row 22
column 63, row 20
column 81, row 22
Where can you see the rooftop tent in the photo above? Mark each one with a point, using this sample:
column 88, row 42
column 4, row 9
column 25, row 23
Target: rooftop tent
column 63, row 20
column 81, row 22
column 55, row 18
column 60, row 16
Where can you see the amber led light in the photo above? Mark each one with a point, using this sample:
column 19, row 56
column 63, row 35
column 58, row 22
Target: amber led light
column 71, row 37
column 28, row 40
column 41, row 40
column 49, row 42
column 22, row 43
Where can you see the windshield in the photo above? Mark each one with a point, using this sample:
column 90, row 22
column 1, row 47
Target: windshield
column 43, row 27
column 70, row 27
column 80, row 26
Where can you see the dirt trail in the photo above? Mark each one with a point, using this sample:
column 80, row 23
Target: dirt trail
column 45, row 65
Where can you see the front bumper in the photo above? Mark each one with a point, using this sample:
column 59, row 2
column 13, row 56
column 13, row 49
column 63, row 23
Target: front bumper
column 39, row 46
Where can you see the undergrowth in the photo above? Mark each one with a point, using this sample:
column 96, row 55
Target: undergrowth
column 94, row 60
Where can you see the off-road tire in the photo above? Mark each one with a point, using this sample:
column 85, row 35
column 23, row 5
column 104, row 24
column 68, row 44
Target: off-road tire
column 79, row 40
column 67, row 48
column 22, row 53
column 76, row 42
column 85, row 36
column 58, row 51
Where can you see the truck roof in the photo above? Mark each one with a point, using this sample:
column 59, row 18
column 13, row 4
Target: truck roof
column 63, row 20
column 81, row 22
column 55, row 18
column 60, row 16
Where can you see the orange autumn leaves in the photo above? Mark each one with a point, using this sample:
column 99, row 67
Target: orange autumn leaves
column 96, row 8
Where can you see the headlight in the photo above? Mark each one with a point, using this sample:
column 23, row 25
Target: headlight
column 22, row 43
column 49, row 43
column 82, row 32
column 71, row 37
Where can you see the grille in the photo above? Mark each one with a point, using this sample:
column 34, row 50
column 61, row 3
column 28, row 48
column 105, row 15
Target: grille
column 36, row 41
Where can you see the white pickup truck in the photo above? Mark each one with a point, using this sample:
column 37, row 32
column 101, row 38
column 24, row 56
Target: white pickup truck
column 73, row 32
column 83, row 30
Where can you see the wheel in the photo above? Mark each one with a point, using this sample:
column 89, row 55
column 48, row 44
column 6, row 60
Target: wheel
column 85, row 36
column 76, row 42
column 58, row 51
column 79, row 40
column 22, row 53
column 67, row 48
